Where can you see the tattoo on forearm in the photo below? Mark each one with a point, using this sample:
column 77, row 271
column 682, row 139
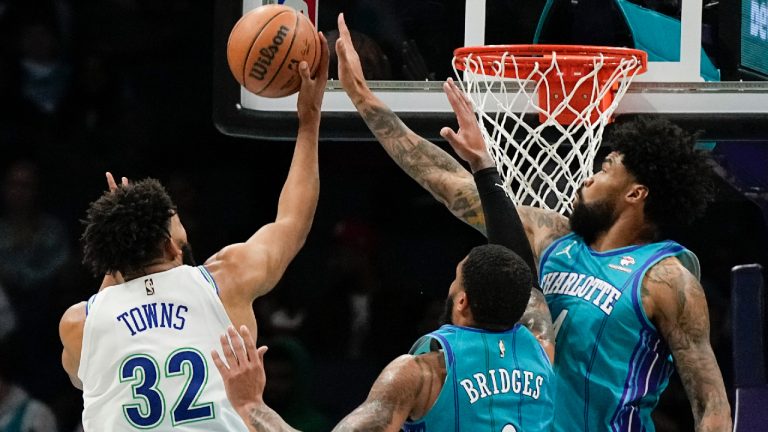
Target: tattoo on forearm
column 372, row 416
column 394, row 396
column 538, row 318
column 685, row 328
column 542, row 227
column 466, row 206
column 264, row 419
column 414, row 154
column 425, row 162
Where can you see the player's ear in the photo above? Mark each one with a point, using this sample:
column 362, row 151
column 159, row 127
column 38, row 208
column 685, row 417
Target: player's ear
column 461, row 301
column 637, row 193
column 171, row 249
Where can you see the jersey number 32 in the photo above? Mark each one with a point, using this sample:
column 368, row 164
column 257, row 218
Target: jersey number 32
column 143, row 373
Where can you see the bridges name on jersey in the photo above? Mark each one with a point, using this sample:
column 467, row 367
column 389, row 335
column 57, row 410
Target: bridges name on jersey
column 586, row 287
column 522, row 382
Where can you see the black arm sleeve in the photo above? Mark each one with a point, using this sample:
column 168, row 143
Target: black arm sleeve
column 502, row 222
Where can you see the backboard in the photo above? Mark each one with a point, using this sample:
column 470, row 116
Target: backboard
column 415, row 40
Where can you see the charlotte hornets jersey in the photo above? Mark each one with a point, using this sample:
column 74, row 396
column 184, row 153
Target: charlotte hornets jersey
column 146, row 360
column 495, row 382
column 611, row 364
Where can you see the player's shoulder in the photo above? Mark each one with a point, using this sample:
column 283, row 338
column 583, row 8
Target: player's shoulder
column 415, row 366
column 669, row 270
column 72, row 321
column 664, row 284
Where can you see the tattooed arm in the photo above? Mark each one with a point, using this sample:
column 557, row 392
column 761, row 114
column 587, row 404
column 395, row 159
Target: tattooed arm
column 538, row 320
column 434, row 169
column 430, row 166
column 674, row 301
column 407, row 387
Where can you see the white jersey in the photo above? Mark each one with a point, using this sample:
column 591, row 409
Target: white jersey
column 146, row 361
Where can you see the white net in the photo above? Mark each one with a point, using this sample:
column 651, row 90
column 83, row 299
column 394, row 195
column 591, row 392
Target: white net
column 544, row 164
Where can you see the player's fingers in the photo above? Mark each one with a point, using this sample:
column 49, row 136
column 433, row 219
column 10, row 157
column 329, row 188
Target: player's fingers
column 450, row 136
column 111, row 182
column 237, row 344
column 220, row 365
column 226, row 348
column 459, row 103
column 325, row 56
column 250, row 344
column 260, row 353
column 124, row 181
column 341, row 51
column 463, row 96
column 343, row 30
column 304, row 71
column 456, row 104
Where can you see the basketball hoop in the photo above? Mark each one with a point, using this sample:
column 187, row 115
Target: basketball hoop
column 577, row 90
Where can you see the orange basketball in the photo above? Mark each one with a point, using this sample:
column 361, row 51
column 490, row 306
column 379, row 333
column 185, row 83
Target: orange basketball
column 266, row 46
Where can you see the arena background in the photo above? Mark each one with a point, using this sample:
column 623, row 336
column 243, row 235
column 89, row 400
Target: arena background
column 126, row 86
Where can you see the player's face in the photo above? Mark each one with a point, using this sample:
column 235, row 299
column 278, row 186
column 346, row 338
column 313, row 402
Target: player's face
column 450, row 313
column 598, row 201
column 607, row 183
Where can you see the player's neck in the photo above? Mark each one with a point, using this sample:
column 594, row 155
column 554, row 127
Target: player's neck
column 626, row 231
column 151, row 268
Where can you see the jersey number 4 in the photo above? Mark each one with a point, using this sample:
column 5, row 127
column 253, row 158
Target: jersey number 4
column 142, row 372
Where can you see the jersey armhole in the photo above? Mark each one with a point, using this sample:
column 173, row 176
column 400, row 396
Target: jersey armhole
column 430, row 343
column 672, row 249
column 209, row 278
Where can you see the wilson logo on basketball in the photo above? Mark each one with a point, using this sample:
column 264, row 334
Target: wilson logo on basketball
column 267, row 54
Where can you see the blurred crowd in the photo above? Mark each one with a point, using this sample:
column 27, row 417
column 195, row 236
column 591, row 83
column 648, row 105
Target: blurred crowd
column 125, row 86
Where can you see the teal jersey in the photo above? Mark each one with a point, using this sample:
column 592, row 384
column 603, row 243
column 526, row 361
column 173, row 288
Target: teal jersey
column 495, row 382
column 611, row 364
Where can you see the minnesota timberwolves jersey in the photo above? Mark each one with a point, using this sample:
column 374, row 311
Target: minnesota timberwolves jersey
column 611, row 364
column 146, row 359
column 495, row 382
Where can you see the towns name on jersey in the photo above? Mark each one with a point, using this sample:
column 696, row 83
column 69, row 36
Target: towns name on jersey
column 500, row 381
column 588, row 288
column 149, row 316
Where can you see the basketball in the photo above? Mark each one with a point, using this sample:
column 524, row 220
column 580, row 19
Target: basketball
column 266, row 46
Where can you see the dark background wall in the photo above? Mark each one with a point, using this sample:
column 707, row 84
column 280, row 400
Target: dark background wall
column 125, row 85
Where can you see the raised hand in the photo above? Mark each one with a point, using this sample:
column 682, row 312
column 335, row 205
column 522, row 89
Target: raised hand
column 243, row 372
column 313, row 88
column 350, row 68
column 467, row 141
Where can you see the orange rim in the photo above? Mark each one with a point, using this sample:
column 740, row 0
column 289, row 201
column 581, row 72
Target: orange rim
column 521, row 59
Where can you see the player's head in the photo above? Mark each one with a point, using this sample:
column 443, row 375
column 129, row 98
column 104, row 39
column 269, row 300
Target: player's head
column 654, row 169
column 132, row 228
column 491, row 289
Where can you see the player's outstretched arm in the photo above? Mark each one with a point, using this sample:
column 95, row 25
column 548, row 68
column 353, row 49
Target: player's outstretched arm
column 244, row 381
column 248, row 270
column 679, row 310
column 503, row 223
column 434, row 169
column 404, row 388
column 540, row 226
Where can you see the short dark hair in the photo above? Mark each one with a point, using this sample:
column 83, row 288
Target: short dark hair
column 125, row 229
column 498, row 284
column 662, row 156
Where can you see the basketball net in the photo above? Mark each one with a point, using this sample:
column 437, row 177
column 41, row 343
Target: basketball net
column 544, row 164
